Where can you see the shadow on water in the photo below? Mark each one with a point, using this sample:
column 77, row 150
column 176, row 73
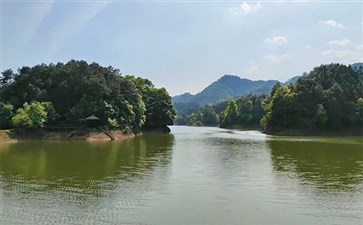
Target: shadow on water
column 325, row 165
column 85, row 165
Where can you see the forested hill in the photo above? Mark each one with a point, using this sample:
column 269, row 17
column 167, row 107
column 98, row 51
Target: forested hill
column 183, row 98
column 76, row 90
column 327, row 100
column 225, row 88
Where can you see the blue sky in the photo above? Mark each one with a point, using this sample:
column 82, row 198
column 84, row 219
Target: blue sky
column 184, row 45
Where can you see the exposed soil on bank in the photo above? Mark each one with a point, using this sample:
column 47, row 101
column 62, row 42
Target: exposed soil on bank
column 15, row 135
column 117, row 134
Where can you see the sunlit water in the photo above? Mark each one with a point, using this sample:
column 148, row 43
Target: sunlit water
column 192, row 176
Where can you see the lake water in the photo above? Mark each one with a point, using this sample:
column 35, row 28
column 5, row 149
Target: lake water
column 191, row 176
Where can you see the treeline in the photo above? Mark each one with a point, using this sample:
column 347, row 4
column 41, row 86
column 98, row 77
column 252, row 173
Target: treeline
column 329, row 98
column 63, row 94
column 246, row 111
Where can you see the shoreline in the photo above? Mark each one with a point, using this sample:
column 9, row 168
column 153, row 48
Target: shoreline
column 293, row 132
column 42, row 134
column 316, row 133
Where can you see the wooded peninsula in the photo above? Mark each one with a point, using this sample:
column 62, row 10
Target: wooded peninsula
column 63, row 95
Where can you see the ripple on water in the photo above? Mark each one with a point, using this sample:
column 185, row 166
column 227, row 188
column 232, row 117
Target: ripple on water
column 205, row 175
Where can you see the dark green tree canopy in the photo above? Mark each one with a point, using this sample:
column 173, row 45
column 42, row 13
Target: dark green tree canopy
column 329, row 98
column 159, row 108
column 6, row 114
column 77, row 90
column 324, row 99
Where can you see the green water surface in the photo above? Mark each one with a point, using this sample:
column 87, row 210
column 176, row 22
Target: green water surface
column 191, row 176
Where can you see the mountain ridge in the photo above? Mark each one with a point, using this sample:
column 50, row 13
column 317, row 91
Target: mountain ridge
column 228, row 87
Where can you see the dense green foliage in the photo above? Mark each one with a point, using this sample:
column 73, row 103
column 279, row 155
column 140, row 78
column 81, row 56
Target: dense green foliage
column 330, row 97
column 226, row 88
column 230, row 115
column 30, row 115
column 205, row 116
column 6, row 114
column 76, row 90
column 159, row 109
column 185, row 108
column 327, row 98
column 244, row 112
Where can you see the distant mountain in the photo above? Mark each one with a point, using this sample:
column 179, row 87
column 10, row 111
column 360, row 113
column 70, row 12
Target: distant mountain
column 292, row 80
column 183, row 98
column 229, row 87
column 225, row 88
column 357, row 66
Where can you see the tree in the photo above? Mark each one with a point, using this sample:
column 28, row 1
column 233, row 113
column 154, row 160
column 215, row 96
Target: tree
column 180, row 120
column 7, row 77
column 52, row 115
column 76, row 90
column 158, row 106
column 209, row 116
column 323, row 99
column 321, row 116
column 281, row 110
column 30, row 116
column 6, row 113
column 159, row 109
column 275, row 87
column 359, row 111
column 250, row 110
column 230, row 115
column 205, row 116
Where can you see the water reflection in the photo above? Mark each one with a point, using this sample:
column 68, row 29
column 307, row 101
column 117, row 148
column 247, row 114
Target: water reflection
column 204, row 176
column 81, row 182
column 326, row 165
column 82, row 164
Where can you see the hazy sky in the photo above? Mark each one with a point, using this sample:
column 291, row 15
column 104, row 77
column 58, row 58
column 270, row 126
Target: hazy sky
column 184, row 45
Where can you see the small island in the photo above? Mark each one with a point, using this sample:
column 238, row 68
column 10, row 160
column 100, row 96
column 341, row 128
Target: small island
column 53, row 102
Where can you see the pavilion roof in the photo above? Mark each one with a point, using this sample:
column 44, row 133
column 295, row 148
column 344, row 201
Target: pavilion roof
column 93, row 117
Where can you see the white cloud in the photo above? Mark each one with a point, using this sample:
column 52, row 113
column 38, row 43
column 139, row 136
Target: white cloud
column 277, row 58
column 279, row 40
column 253, row 70
column 341, row 54
column 340, row 43
column 308, row 47
column 332, row 23
column 245, row 8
